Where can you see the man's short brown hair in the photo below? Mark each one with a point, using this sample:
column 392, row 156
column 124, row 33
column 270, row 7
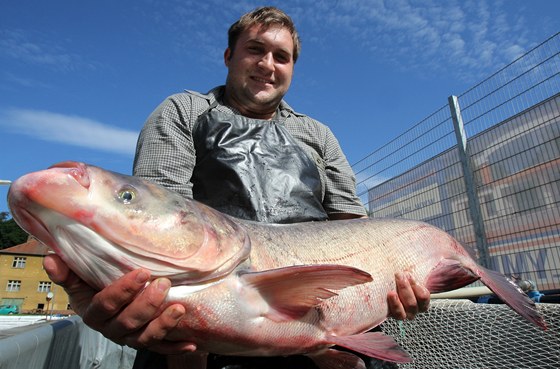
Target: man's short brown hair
column 266, row 17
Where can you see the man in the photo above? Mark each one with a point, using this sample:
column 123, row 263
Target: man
column 242, row 150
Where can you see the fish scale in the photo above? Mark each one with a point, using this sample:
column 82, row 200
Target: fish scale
column 359, row 248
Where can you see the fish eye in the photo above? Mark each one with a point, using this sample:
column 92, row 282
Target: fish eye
column 127, row 195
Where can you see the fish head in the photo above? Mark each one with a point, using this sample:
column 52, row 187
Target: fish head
column 104, row 224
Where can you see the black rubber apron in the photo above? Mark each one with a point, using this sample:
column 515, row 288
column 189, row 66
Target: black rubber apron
column 254, row 169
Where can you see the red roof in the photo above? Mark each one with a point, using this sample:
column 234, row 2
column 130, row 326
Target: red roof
column 31, row 247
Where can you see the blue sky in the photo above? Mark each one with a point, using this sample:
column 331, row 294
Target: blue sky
column 79, row 78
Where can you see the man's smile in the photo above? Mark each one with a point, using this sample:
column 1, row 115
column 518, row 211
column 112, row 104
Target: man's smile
column 262, row 80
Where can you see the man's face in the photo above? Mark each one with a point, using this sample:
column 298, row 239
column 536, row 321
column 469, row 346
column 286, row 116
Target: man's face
column 260, row 70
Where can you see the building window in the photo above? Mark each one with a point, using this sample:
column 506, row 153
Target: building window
column 19, row 262
column 13, row 286
column 44, row 286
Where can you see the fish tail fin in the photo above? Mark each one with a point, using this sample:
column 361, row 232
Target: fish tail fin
column 451, row 274
column 512, row 295
column 373, row 344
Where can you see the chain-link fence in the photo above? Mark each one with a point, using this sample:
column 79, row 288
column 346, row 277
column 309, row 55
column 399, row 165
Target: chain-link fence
column 461, row 334
column 485, row 167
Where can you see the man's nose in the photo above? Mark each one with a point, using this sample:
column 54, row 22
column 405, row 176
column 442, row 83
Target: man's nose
column 267, row 61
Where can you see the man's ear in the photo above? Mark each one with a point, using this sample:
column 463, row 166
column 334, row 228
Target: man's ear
column 227, row 56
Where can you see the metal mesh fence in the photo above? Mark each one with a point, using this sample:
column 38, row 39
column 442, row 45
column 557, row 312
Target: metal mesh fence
column 511, row 126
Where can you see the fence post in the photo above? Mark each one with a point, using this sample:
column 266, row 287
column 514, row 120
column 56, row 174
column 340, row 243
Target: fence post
column 468, row 175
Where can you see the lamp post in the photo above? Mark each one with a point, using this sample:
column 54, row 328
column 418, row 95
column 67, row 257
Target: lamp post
column 49, row 297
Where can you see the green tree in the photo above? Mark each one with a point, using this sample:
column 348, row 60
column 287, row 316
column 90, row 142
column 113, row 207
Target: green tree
column 10, row 233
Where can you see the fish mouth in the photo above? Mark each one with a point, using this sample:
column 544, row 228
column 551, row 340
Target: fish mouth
column 31, row 223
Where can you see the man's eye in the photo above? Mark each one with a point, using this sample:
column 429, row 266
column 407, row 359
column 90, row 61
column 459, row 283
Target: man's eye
column 282, row 59
column 126, row 195
column 254, row 49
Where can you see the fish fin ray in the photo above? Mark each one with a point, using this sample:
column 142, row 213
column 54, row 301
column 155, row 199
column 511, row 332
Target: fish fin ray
column 452, row 274
column 334, row 359
column 292, row 291
column 373, row 344
column 511, row 294
column 449, row 275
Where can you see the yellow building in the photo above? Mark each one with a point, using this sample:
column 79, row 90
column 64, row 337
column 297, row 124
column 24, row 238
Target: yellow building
column 24, row 282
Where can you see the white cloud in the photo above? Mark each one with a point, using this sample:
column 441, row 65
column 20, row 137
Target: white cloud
column 468, row 37
column 70, row 130
column 513, row 52
column 22, row 81
column 33, row 48
column 365, row 181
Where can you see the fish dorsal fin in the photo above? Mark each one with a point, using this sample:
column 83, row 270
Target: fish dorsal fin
column 292, row 291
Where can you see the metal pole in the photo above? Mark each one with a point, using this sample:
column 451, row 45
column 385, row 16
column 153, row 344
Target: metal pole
column 470, row 184
column 49, row 297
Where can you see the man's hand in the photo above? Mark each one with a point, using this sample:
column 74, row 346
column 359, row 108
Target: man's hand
column 127, row 312
column 409, row 299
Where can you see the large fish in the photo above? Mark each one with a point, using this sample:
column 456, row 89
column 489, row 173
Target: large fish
column 250, row 288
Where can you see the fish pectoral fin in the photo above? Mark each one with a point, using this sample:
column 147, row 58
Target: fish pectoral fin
column 449, row 275
column 292, row 291
column 334, row 359
column 373, row 344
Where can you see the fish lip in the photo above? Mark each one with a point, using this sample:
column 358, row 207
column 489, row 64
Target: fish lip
column 33, row 225
column 67, row 164
column 78, row 170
